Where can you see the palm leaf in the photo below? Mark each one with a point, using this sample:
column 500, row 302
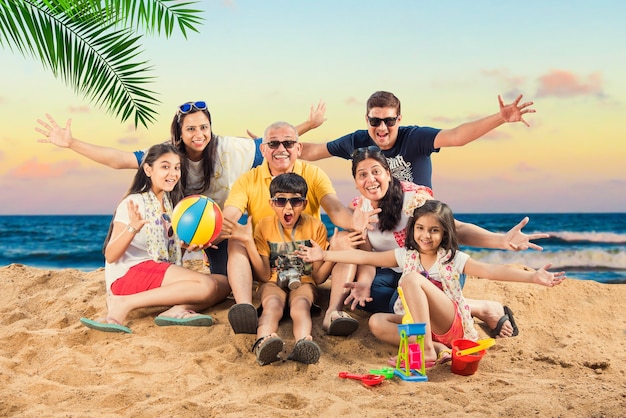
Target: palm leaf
column 90, row 47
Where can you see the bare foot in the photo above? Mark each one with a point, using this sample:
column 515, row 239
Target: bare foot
column 116, row 308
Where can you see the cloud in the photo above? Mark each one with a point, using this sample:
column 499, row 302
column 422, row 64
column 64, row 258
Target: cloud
column 353, row 101
column 33, row 169
column 79, row 109
column 128, row 141
column 561, row 83
column 512, row 84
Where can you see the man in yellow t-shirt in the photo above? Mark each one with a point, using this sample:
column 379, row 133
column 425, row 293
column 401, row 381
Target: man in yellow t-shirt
column 250, row 194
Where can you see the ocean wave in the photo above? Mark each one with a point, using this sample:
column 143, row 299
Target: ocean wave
column 585, row 237
column 588, row 259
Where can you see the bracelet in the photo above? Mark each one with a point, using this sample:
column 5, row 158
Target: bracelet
column 130, row 229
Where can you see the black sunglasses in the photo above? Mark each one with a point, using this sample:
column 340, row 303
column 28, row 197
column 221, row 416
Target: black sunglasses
column 377, row 121
column 295, row 202
column 370, row 149
column 168, row 221
column 276, row 144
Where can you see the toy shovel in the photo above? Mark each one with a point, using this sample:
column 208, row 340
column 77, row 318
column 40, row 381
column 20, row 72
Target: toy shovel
column 482, row 344
column 366, row 379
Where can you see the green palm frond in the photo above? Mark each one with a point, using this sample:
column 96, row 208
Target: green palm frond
column 90, row 46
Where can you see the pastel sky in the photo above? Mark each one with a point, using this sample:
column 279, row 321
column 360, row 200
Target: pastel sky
column 256, row 62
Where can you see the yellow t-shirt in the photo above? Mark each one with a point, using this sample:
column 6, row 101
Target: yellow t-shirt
column 279, row 247
column 251, row 192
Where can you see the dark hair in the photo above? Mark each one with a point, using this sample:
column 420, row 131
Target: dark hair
column 444, row 215
column 383, row 99
column 142, row 183
column 208, row 154
column 288, row 183
column 391, row 203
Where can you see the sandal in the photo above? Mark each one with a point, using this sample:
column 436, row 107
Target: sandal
column 305, row 351
column 342, row 324
column 266, row 349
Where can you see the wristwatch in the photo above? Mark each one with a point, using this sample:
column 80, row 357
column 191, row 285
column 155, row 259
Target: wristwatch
column 130, row 229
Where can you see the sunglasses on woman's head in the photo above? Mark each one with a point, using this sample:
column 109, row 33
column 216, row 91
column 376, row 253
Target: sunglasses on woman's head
column 295, row 202
column 375, row 122
column 189, row 106
column 358, row 151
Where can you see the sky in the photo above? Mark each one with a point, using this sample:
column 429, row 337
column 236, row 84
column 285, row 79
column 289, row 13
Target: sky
column 255, row 63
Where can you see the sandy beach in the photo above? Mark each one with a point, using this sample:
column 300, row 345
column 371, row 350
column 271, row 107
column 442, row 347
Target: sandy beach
column 568, row 360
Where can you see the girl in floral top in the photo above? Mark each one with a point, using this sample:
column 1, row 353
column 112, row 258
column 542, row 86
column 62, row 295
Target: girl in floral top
column 143, row 254
column 432, row 264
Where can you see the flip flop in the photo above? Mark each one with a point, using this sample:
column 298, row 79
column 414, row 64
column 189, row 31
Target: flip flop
column 342, row 326
column 306, row 352
column 243, row 318
column 105, row 326
column 508, row 316
column 444, row 356
column 266, row 349
column 192, row 321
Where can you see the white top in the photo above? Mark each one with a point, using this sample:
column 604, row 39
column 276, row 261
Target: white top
column 234, row 157
column 137, row 251
column 390, row 240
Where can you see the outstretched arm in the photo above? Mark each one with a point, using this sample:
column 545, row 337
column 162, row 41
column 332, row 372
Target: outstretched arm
column 470, row 131
column 372, row 258
column 505, row 273
column 514, row 240
column 62, row 137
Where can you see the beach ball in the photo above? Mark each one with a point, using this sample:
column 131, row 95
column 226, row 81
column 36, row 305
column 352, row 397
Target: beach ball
column 197, row 220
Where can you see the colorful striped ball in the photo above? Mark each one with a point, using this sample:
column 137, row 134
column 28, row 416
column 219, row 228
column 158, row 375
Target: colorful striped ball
column 197, row 220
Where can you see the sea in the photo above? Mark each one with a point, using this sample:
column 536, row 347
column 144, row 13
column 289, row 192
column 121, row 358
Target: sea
column 588, row 246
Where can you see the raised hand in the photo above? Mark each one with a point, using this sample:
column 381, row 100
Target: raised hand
column 514, row 112
column 346, row 241
column 363, row 220
column 135, row 218
column 316, row 115
column 54, row 134
column 516, row 240
column 236, row 231
column 359, row 294
column 546, row 278
column 310, row 254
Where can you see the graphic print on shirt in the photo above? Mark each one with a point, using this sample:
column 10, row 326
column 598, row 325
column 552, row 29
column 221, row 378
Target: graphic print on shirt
column 400, row 169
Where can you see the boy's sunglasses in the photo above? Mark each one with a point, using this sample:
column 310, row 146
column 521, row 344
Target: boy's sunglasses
column 189, row 106
column 276, row 144
column 295, row 202
column 377, row 121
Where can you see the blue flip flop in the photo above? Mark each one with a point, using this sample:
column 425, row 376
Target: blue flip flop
column 105, row 326
column 192, row 321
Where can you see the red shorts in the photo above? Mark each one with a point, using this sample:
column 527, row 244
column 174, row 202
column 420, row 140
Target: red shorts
column 144, row 276
column 455, row 332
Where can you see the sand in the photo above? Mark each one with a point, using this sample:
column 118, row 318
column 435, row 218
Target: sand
column 568, row 360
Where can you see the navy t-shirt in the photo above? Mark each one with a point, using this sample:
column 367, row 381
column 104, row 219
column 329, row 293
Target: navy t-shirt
column 409, row 158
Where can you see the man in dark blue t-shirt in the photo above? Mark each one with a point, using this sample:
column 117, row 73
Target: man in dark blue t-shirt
column 408, row 150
